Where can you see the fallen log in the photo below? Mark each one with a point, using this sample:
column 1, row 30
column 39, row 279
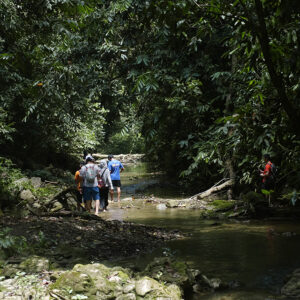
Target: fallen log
column 215, row 188
column 60, row 197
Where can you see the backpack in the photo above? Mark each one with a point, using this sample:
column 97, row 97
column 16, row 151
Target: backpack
column 90, row 174
column 101, row 183
column 273, row 171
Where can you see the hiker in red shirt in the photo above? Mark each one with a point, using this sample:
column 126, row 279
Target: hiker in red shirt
column 266, row 174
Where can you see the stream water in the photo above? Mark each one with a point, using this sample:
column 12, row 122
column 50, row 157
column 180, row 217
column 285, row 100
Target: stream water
column 257, row 254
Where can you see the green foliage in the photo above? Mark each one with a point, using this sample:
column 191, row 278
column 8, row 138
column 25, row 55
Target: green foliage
column 129, row 142
column 11, row 244
column 8, row 174
column 207, row 86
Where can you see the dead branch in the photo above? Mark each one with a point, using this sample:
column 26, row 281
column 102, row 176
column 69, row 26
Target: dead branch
column 213, row 189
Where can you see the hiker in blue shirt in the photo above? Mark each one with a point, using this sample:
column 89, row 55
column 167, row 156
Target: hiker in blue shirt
column 115, row 167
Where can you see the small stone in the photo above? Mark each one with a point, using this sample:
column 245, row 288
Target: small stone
column 130, row 296
column 128, row 288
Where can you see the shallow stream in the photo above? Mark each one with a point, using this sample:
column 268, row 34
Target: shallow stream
column 257, row 254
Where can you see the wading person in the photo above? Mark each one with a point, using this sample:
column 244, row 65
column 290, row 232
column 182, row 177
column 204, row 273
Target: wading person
column 267, row 176
column 104, row 184
column 115, row 167
column 90, row 174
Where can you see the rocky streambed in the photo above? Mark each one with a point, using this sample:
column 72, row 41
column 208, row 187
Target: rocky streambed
column 73, row 258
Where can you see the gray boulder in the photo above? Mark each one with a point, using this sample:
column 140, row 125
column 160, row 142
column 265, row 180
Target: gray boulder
column 36, row 182
column 27, row 196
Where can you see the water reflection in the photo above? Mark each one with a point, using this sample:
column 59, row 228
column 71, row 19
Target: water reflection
column 254, row 253
column 243, row 251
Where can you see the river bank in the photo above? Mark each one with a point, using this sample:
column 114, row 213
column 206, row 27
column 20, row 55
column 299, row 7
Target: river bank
column 218, row 237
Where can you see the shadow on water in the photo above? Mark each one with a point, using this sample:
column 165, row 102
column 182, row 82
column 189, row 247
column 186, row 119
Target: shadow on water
column 257, row 254
column 137, row 180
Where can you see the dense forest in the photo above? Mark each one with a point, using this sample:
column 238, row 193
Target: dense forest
column 203, row 87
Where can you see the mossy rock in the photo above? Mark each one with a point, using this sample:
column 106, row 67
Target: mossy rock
column 72, row 283
column 253, row 197
column 35, row 264
column 108, row 282
column 130, row 296
column 223, row 205
column 148, row 288
column 9, row 270
column 168, row 270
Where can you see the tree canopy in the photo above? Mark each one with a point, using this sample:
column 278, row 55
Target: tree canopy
column 208, row 86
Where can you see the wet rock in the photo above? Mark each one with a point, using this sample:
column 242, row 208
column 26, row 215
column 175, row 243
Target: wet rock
column 172, row 203
column 36, row 182
column 214, row 283
column 35, row 264
column 27, row 196
column 292, row 288
column 161, row 206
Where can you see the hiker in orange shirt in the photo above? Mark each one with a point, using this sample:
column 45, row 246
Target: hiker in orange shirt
column 78, row 181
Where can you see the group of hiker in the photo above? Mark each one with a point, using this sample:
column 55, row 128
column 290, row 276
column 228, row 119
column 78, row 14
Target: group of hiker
column 95, row 182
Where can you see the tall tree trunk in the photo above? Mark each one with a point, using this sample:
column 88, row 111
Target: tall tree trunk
column 277, row 80
column 229, row 111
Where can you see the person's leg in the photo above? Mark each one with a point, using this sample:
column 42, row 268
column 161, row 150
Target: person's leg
column 102, row 198
column 96, row 197
column 111, row 195
column 87, row 197
column 105, row 197
column 119, row 193
column 97, row 203
column 79, row 200
column 88, row 205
